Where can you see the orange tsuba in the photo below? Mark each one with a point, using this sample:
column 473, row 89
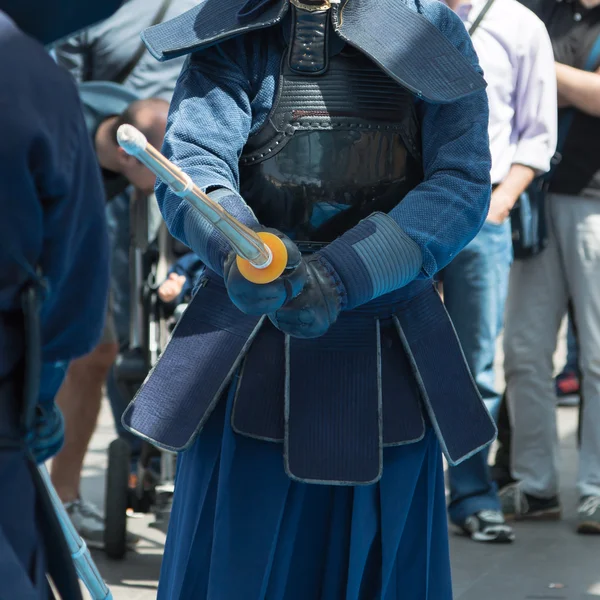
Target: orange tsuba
column 274, row 270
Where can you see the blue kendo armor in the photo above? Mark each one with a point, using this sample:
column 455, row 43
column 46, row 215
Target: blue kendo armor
column 334, row 149
column 341, row 141
column 421, row 59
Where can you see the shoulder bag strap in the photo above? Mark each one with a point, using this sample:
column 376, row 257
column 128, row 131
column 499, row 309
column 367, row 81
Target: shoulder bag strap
column 480, row 17
column 126, row 71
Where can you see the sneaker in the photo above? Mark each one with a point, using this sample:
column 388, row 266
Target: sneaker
column 589, row 515
column 89, row 523
column 519, row 506
column 488, row 526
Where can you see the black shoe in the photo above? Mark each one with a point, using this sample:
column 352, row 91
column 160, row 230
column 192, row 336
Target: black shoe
column 488, row 526
column 518, row 505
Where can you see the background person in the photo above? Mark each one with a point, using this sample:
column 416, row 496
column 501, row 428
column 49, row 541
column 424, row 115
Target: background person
column 516, row 56
column 53, row 242
column 568, row 269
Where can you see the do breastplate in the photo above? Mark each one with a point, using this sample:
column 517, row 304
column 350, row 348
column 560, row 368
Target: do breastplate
column 341, row 142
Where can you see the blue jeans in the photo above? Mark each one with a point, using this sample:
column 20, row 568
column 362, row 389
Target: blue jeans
column 475, row 288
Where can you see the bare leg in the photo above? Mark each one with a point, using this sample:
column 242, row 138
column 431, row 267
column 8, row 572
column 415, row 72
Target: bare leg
column 79, row 398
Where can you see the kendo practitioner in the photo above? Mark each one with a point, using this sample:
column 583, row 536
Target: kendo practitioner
column 53, row 283
column 310, row 412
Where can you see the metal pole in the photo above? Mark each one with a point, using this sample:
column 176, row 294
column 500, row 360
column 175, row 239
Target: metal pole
column 246, row 243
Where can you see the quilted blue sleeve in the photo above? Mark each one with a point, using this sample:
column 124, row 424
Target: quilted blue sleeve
column 214, row 110
column 425, row 231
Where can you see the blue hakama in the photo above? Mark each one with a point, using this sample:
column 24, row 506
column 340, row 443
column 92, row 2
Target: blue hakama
column 241, row 529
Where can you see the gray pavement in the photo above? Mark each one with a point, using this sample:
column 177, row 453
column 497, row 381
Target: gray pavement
column 548, row 560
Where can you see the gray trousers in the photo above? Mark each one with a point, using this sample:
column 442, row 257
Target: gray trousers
column 539, row 291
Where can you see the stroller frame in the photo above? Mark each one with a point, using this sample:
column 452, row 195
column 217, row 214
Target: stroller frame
column 150, row 253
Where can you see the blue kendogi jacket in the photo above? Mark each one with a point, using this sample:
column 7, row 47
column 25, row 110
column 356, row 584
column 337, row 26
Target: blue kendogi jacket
column 224, row 96
column 235, row 83
column 52, row 210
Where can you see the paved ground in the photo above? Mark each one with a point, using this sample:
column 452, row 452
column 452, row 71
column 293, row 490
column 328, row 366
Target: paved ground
column 548, row 561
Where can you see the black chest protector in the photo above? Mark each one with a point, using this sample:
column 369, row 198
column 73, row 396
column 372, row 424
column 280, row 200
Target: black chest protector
column 342, row 139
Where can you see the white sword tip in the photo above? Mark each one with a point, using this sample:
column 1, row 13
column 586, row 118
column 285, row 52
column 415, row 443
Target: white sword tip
column 132, row 140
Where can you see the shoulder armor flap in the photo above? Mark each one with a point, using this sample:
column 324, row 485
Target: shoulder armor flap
column 408, row 47
column 210, row 22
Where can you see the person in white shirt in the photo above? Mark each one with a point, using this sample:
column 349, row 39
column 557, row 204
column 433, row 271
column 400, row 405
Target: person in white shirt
column 516, row 56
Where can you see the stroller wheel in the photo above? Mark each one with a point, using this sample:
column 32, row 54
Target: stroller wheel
column 117, row 495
